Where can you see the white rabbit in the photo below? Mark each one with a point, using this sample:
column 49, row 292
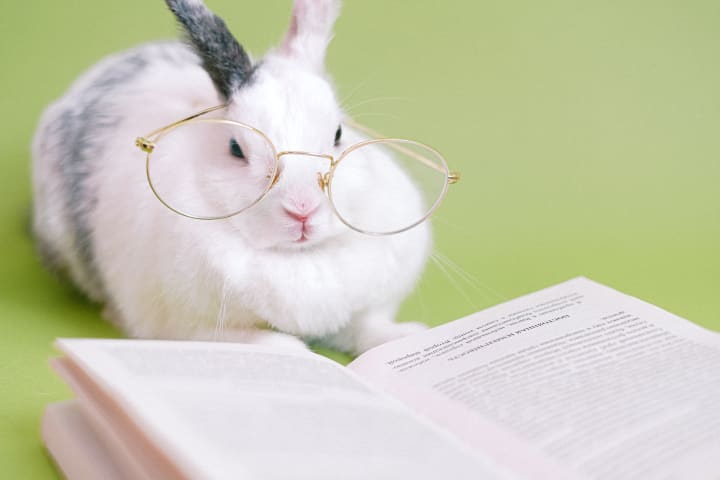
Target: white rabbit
column 287, row 263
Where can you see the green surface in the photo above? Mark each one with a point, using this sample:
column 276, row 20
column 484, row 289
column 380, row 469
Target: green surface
column 587, row 134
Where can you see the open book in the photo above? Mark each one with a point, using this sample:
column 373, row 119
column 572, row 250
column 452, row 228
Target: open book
column 574, row 381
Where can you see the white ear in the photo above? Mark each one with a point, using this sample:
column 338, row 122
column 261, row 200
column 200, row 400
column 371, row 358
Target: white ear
column 310, row 31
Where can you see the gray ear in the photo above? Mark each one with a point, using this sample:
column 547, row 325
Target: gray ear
column 222, row 56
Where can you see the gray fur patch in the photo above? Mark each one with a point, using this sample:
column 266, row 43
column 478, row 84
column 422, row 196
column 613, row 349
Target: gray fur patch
column 80, row 126
column 223, row 58
column 52, row 259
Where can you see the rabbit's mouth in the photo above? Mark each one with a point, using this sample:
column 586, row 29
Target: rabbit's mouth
column 303, row 228
column 307, row 236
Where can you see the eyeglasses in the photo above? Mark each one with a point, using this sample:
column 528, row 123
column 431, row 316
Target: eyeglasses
column 232, row 166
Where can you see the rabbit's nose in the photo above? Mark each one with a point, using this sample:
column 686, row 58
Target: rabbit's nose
column 300, row 209
column 300, row 215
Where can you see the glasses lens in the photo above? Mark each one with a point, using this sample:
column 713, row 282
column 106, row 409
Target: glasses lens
column 387, row 186
column 211, row 168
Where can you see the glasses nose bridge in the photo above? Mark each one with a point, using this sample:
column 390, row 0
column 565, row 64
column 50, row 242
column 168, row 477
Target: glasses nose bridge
column 323, row 178
column 326, row 156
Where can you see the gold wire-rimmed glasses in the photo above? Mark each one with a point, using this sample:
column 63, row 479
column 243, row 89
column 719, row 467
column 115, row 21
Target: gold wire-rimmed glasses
column 425, row 171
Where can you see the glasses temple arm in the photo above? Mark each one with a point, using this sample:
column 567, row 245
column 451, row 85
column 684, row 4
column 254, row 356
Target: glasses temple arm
column 145, row 143
column 453, row 177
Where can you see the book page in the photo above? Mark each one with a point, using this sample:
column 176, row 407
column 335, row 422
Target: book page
column 75, row 447
column 241, row 411
column 601, row 383
column 122, row 442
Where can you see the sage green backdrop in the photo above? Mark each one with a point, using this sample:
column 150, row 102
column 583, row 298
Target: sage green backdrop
column 586, row 132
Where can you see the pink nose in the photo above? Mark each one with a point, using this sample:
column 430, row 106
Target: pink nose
column 300, row 216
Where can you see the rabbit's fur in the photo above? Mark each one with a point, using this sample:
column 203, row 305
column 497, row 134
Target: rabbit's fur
column 162, row 275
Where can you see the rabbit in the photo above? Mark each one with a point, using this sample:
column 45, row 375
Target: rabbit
column 247, row 278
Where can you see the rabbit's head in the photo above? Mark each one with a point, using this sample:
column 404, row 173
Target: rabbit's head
column 289, row 98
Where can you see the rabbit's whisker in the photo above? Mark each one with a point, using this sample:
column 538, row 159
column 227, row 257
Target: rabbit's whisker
column 368, row 101
column 220, row 323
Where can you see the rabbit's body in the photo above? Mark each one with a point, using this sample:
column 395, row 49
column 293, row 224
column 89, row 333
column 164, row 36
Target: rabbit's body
column 82, row 137
column 162, row 275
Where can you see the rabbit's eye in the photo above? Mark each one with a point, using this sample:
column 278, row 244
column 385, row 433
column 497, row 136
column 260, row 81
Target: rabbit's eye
column 235, row 149
column 338, row 135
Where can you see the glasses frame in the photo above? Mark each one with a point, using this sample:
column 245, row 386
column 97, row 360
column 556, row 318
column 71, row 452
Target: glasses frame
column 147, row 143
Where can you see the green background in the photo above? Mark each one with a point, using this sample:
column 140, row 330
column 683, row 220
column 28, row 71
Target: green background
column 586, row 132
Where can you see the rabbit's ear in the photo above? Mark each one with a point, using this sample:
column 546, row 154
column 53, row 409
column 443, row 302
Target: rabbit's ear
column 310, row 31
column 222, row 56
